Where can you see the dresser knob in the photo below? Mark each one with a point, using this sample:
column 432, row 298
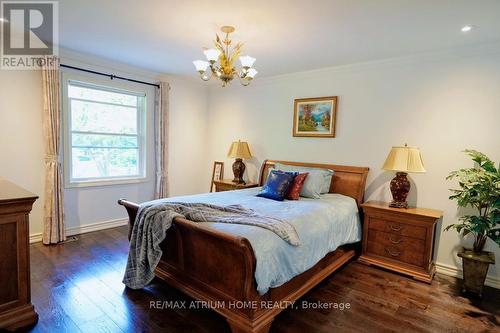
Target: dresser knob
column 394, row 254
column 393, row 228
column 395, row 241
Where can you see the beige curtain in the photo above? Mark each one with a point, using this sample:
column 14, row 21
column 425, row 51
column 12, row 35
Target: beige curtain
column 161, row 141
column 53, row 228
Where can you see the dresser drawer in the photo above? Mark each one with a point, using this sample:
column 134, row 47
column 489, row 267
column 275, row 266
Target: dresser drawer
column 222, row 188
column 397, row 247
column 397, row 228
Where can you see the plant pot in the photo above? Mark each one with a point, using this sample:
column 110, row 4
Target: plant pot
column 475, row 269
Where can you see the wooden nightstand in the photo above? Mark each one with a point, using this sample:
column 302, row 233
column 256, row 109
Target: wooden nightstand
column 400, row 239
column 228, row 185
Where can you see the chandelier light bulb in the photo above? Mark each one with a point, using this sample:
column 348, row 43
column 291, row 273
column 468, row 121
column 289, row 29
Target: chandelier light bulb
column 212, row 54
column 247, row 61
column 201, row 65
column 251, row 73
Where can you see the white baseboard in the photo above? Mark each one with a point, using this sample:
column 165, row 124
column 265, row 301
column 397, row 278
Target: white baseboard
column 82, row 229
column 35, row 238
column 456, row 272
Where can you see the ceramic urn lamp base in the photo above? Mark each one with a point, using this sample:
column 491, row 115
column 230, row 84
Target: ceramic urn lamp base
column 238, row 171
column 400, row 187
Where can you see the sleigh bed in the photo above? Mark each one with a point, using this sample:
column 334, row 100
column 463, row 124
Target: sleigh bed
column 219, row 268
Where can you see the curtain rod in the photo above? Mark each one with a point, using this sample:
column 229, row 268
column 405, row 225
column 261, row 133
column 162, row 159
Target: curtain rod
column 111, row 76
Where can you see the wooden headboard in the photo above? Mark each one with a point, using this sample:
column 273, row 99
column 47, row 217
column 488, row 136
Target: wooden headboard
column 347, row 180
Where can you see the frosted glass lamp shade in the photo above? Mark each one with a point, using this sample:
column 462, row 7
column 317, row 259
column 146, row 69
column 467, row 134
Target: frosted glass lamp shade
column 239, row 149
column 212, row 54
column 404, row 159
column 247, row 61
column 201, row 65
column 252, row 72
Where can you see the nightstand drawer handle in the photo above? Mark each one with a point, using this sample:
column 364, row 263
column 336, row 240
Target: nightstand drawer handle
column 394, row 254
column 395, row 241
column 393, row 228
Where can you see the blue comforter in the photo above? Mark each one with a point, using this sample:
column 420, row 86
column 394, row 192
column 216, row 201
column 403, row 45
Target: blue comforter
column 322, row 225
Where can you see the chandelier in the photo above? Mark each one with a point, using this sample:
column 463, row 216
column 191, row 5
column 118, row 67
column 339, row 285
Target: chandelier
column 221, row 61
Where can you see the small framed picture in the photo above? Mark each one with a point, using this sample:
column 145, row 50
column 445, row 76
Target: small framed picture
column 315, row 117
column 217, row 173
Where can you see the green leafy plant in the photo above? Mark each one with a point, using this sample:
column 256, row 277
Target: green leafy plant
column 480, row 189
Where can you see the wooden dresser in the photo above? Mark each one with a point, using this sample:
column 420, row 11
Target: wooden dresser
column 400, row 239
column 16, row 309
column 228, row 185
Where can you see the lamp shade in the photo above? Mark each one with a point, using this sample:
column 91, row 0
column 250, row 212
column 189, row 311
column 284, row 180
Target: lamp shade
column 212, row 54
column 247, row 61
column 404, row 159
column 201, row 65
column 239, row 149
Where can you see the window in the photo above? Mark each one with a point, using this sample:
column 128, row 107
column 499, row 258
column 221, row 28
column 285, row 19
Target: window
column 104, row 139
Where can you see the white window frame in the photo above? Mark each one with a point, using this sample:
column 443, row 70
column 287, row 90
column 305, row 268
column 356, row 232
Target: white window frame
column 106, row 85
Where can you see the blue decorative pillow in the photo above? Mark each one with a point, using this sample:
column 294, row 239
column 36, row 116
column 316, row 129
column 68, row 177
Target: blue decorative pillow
column 277, row 185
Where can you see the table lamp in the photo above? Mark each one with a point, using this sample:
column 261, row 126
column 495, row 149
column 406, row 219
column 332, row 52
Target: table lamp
column 239, row 150
column 402, row 160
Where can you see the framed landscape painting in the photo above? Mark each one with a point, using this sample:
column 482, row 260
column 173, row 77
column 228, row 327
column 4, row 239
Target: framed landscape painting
column 315, row 117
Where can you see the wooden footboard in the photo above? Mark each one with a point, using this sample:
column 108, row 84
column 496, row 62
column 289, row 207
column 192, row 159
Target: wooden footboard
column 219, row 268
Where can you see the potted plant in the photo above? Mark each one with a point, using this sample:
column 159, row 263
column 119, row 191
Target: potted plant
column 479, row 189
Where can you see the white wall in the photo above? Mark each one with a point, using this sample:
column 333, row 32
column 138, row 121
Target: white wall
column 442, row 103
column 188, row 172
column 22, row 151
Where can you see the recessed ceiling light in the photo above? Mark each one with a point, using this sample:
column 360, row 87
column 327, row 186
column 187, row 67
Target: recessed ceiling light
column 3, row 20
column 466, row 28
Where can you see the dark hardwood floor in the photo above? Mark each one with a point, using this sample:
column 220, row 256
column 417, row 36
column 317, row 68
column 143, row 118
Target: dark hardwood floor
column 76, row 287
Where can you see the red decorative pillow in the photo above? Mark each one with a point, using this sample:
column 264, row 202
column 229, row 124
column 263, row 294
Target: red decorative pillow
column 296, row 187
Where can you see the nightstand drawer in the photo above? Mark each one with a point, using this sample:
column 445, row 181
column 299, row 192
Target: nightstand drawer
column 401, row 248
column 224, row 187
column 397, row 228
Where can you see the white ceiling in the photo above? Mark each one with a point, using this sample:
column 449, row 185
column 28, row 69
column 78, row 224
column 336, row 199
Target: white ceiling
column 284, row 35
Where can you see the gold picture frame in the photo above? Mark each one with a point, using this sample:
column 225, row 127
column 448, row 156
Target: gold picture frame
column 217, row 173
column 315, row 117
